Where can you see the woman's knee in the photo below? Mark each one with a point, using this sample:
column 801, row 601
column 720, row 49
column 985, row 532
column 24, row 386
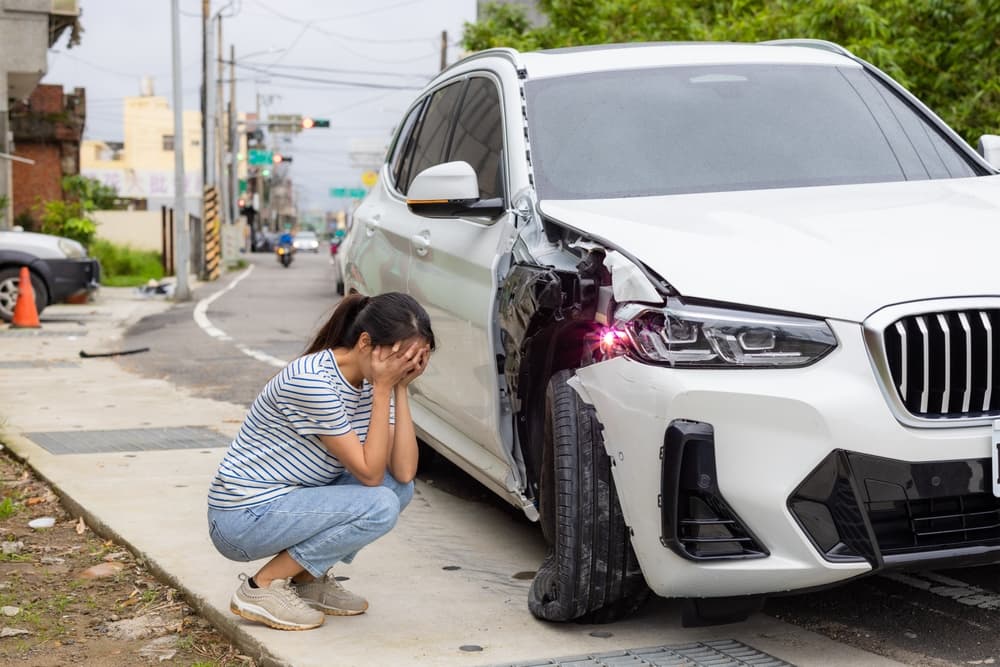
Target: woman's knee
column 384, row 508
column 404, row 492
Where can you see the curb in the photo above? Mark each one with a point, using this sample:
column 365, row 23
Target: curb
column 227, row 625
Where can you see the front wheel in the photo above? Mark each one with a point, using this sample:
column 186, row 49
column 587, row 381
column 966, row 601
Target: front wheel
column 590, row 574
column 9, row 286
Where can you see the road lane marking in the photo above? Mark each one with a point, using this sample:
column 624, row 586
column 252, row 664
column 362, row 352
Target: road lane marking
column 205, row 324
column 959, row 591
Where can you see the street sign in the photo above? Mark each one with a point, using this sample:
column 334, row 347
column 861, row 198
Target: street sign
column 369, row 178
column 345, row 193
column 260, row 156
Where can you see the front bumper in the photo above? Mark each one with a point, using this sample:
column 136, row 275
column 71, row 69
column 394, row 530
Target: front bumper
column 73, row 276
column 777, row 435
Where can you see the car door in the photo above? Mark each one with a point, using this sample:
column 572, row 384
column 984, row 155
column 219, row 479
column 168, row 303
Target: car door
column 377, row 251
column 452, row 274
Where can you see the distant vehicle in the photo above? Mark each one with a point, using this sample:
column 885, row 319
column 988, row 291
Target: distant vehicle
column 60, row 269
column 723, row 318
column 306, row 240
column 265, row 241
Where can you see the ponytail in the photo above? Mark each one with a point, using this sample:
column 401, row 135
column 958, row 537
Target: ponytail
column 386, row 318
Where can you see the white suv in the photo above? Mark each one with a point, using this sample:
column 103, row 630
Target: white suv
column 725, row 318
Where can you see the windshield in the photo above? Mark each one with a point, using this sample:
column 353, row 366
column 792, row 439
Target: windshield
column 305, row 235
column 676, row 130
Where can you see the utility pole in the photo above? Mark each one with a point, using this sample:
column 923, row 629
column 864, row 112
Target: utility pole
column 234, row 140
column 205, row 13
column 182, row 254
column 444, row 50
column 220, row 143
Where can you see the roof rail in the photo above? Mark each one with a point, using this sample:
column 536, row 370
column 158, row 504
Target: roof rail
column 820, row 44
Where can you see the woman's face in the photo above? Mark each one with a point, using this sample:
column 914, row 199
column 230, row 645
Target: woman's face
column 366, row 349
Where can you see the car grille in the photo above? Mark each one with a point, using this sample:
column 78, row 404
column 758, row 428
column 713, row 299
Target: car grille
column 945, row 364
column 904, row 526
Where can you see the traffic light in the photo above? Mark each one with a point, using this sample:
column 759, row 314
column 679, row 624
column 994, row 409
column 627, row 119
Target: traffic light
column 309, row 123
column 279, row 158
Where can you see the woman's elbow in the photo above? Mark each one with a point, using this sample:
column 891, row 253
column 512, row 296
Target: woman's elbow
column 373, row 479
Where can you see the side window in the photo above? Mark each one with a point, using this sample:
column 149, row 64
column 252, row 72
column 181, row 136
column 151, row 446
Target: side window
column 403, row 142
column 432, row 135
column 478, row 137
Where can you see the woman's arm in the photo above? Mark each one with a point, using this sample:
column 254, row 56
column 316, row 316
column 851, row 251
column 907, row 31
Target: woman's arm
column 403, row 450
column 366, row 462
column 369, row 462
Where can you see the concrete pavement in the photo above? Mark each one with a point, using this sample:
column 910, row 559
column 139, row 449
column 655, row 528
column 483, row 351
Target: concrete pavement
column 443, row 579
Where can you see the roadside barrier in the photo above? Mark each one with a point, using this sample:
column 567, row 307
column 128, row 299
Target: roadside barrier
column 25, row 310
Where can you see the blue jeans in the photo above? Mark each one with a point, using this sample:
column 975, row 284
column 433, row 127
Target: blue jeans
column 318, row 525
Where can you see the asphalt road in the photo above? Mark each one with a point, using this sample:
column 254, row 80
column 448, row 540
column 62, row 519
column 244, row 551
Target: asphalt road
column 942, row 618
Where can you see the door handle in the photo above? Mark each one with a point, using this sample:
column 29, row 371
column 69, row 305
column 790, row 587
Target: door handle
column 421, row 243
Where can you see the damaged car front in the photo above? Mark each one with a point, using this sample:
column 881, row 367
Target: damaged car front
column 792, row 362
column 722, row 318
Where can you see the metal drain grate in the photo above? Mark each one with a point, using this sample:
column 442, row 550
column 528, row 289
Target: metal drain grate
column 719, row 653
column 20, row 365
column 128, row 440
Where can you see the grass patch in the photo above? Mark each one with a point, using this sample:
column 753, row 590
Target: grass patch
column 124, row 266
column 238, row 265
column 8, row 508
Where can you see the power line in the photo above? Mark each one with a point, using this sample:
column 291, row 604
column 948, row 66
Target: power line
column 333, row 82
column 336, row 70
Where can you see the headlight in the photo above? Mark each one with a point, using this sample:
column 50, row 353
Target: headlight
column 71, row 249
column 685, row 335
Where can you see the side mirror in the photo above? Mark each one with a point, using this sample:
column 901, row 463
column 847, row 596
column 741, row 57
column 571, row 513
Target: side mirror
column 989, row 148
column 449, row 190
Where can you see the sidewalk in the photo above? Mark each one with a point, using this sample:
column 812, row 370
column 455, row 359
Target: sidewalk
column 134, row 456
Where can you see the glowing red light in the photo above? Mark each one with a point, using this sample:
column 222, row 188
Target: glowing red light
column 608, row 339
column 308, row 123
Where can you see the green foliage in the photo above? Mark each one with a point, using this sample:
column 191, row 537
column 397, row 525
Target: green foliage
column 8, row 508
column 944, row 51
column 122, row 266
column 69, row 219
column 94, row 195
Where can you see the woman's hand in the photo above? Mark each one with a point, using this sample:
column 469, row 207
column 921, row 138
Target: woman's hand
column 423, row 356
column 390, row 365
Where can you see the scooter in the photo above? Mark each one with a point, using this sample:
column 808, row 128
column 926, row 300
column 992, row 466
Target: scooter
column 285, row 254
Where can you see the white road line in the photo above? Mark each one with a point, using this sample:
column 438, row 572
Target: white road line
column 959, row 591
column 201, row 319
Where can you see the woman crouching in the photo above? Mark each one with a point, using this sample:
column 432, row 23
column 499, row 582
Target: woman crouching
column 323, row 463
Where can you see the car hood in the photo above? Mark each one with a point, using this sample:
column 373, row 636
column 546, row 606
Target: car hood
column 838, row 251
column 45, row 246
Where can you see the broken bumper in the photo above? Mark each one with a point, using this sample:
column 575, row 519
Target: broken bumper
column 810, row 479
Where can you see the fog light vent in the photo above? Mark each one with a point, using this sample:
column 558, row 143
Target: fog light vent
column 697, row 522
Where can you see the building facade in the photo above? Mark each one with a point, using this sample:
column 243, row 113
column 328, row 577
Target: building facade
column 47, row 129
column 27, row 29
column 142, row 167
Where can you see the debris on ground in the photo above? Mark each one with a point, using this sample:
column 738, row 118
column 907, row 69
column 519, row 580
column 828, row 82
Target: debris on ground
column 120, row 618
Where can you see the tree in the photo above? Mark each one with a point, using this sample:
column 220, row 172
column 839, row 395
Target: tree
column 944, row 51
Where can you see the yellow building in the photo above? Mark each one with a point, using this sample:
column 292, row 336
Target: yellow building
column 143, row 166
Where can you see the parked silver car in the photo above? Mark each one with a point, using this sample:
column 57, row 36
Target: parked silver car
column 60, row 269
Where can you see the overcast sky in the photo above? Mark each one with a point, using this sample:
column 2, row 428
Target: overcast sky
column 380, row 44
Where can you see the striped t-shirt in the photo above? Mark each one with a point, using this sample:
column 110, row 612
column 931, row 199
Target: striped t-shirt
column 278, row 448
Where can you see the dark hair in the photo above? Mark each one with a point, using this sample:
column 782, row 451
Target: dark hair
column 387, row 318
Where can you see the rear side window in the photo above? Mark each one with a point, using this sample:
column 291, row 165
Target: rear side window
column 478, row 136
column 432, row 134
column 403, row 143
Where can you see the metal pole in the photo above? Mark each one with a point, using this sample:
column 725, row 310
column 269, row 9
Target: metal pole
column 206, row 9
column 234, row 140
column 220, row 142
column 444, row 50
column 182, row 253
column 210, row 119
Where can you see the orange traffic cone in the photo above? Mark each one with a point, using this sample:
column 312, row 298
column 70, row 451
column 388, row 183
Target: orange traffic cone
column 25, row 311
